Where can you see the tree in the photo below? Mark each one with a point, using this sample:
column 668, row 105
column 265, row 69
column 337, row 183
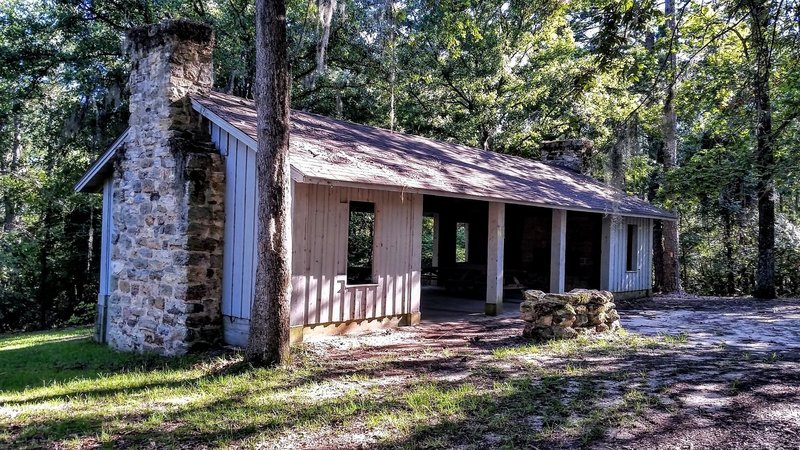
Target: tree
column 670, row 265
column 269, row 323
column 760, row 12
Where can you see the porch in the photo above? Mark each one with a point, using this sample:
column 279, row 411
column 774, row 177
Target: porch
column 478, row 256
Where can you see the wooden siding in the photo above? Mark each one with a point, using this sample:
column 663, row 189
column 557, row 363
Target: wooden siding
column 614, row 275
column 105, row 238
column 319, row 255
column 239, row 266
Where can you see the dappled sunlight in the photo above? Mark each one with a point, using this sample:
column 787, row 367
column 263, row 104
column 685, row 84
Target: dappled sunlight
column 21, row 341
column 474, row 383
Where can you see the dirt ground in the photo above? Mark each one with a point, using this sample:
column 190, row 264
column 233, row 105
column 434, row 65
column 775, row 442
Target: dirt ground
column 730, row 379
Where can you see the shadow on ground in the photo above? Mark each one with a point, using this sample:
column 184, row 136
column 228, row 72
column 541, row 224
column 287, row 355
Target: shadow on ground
column 467, row 384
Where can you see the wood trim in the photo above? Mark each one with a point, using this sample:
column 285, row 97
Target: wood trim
column 404, row 189
column 224, row 124
column 88, row 182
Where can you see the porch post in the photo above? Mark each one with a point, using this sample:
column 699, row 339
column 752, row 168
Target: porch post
column 435, row 253
column 494, row 263
column 605, row 253
column 558, row 247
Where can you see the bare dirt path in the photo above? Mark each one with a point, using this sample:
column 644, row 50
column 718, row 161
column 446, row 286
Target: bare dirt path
column 739, row 323
column 712, row 373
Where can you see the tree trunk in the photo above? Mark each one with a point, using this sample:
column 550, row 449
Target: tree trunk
column 325, row 9
column 730, row 269
column 765, row 163
column 9, row 204
column 389, row 12
column 44, row 296
column 269, row 323
column 671, row 277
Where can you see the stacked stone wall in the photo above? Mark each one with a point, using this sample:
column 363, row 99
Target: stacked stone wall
column 168, row 205
column 572, row 154
column 565, row 316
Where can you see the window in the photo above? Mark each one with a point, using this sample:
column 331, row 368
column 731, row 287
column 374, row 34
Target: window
column 632, row 256
column 360, row 242
column 462, row 242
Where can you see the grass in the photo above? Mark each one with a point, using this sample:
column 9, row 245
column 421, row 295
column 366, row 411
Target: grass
column 60, row 389
column 618, row 343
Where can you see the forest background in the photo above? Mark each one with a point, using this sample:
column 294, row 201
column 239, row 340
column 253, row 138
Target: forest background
column 502, row 75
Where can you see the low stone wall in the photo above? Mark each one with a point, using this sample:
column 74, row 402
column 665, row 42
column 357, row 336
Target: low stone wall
column 565, row 316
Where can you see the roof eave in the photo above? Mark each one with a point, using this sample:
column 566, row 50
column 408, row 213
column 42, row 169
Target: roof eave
column 92, row 180
column 301, row 177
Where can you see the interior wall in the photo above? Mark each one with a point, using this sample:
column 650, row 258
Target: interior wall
column 527, row 246
column 583, row 253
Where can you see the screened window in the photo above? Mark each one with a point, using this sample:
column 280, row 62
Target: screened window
column 632, row 254
column 462, row 242
column 360, row 243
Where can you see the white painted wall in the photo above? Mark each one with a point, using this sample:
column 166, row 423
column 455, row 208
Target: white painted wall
column 319, row 255
column 240, row 220
column 614, row 275
column 105, row 239
column 319, row 248
column 106, row 229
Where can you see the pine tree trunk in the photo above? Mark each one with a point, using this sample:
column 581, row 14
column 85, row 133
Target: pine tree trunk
column 765, row 163
column 10, row 217
column 671, row 277
column 269, row 323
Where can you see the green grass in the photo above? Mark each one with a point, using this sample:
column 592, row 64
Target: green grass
column 605, row 344
column 60, row 389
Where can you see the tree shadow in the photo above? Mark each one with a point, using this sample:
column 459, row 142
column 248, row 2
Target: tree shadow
column 447, row 387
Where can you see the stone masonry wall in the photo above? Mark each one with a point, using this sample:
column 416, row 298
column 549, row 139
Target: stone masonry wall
column 564, row 316
column 572, row 154
column 168, row 215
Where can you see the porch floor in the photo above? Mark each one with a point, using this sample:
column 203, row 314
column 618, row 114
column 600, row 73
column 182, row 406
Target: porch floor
column 438, row 306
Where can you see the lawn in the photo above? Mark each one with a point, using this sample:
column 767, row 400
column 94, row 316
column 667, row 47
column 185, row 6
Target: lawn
column 59, row 389
column 475, row 386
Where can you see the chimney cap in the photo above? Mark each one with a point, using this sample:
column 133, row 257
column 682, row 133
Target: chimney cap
column 145, row 37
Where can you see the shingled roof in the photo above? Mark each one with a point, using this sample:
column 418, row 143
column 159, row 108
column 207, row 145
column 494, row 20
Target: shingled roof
column 326, row 150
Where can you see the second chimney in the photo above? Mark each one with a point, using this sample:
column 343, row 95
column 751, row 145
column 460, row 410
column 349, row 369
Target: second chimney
column 571, row 154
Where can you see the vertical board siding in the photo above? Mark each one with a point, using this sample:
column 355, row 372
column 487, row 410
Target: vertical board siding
column 249, row 197
column 238, row 271
column 320, row 250
column 620, row 279
column 105, row 238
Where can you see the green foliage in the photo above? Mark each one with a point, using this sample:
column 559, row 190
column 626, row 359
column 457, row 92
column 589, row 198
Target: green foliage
column 427, row 241
column 360, row 242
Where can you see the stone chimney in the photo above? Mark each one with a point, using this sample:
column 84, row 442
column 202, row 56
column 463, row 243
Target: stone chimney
column 167, row 213
column 572, row 154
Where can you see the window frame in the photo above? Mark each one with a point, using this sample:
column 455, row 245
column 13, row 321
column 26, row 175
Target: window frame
column 632, row 248
column 368, row 207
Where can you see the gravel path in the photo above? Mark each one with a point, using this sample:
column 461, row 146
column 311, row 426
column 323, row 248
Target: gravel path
column 739, row 323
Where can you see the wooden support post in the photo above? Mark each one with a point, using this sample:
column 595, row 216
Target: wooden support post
column 605, row 253
column 558, row 248
column 416, row 260
column 435, row 253
column 494, row 263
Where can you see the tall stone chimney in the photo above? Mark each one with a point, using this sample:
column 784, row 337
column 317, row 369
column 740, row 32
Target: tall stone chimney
column 572, row 154
column 167, row 213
